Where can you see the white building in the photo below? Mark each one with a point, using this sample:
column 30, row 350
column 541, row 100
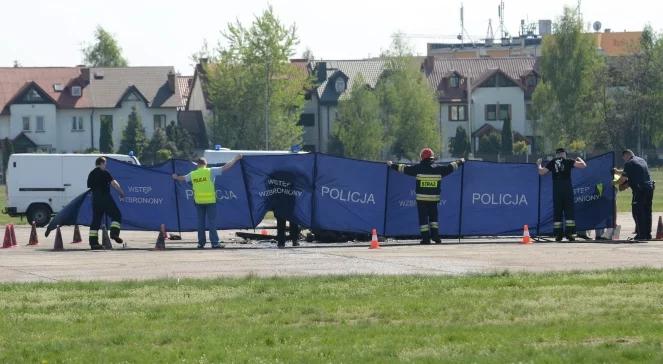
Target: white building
column 61, row 109
column 477, row 94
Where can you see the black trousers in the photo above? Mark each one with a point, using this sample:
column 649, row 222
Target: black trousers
column 563, row 209
column 641, row 208
column 104, row 206
column 281, row 230
column 428, row 225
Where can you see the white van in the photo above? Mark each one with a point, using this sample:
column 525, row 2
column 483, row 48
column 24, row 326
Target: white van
column 39, row 185
column 223, row 156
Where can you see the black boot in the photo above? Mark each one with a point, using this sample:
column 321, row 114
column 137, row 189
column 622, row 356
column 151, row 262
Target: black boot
column 425, row 238
column 435, row 235
column 571, row 230
column 94, row 243
column 115, row 235
column 557, row 232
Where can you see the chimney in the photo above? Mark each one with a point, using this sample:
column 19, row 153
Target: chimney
column 171, row 80
column 85, row 74
column 321, row 71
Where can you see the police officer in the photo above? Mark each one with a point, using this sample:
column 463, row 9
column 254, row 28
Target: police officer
column 99, row 181
column 560, row 167
column 429, row 177
column 636, row 173
column 204, row 196
column 281, row 229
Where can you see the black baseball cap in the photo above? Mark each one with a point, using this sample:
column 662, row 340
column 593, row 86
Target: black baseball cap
column 560, row 150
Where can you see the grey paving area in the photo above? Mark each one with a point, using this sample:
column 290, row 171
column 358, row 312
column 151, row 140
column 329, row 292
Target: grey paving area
column 240, row 258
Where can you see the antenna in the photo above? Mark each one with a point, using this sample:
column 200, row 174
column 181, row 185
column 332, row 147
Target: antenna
column 500, row 13
column 490, row 35
column 463, row 32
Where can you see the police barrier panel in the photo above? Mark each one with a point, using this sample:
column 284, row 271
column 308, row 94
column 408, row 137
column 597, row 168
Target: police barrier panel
column 594, row 196
column 402, row 218
column 355, row 196
column 349, row 193
column 281, row 183
column 499, row 198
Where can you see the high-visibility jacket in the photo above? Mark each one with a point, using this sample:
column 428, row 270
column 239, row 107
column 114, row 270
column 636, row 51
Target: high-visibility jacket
column 429, row 177
column 204, row 192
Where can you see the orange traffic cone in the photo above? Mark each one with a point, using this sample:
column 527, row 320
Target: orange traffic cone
column 105, row 239
column 77, row 235
column 659, row 230
column 58, row 246
column 12, row 234
column 33, row 235
column 7, row 242
column 375, row 244
column 526, row 237
column 161, row 239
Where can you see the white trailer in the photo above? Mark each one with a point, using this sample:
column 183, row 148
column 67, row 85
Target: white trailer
column 223, row 156
column 39, row 185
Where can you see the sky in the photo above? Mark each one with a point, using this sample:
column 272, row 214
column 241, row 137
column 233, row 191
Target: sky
column 168, row 32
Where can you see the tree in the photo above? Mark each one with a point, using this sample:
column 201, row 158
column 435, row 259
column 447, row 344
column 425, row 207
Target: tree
column 568, row 99
column 520, row 148
column 408, row 104
column 104, row 51
column 252, row 83
column 159, row 142
column 133, row 136
column 358, row 128
column 459, row 146
column 181, row 139
column 490, row 144
column 106, row 137
column 507, row 138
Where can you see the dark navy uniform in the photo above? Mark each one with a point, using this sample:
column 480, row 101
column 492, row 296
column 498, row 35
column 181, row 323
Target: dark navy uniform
column 429, row 178
column 639, row 179
column 562, row 197
column 99, row 182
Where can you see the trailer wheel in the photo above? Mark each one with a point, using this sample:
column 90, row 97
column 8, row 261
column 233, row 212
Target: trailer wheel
column 40, row 214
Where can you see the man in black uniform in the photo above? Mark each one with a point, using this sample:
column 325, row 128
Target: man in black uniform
column 99, row 181
column 562, row 192
column 636, row 173
column 429, row 177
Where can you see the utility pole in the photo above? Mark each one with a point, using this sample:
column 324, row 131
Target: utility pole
column 267, row 105
column 469, row 115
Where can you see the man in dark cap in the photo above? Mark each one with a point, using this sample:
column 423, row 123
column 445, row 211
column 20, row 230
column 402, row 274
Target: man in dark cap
column 636, row 173
column 560, row 167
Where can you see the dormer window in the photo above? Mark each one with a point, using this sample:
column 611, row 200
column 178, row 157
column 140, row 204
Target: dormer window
column 454, row 81
column 76, row 91
column 58, row 87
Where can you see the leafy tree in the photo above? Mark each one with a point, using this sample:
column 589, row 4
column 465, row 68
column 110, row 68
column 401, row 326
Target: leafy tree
column 358, row 128
column 568, row 99
column 159, row 142
column 163, row 155
column 104, row 52
column 520, row 148
column 408, row 104
column 106, row 137
column 459, row 145
column 133, row 136
column 490, row 144
column 181, row 139
column 251, row 81
column 507, row 138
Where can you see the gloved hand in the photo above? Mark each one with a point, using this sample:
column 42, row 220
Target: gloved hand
column 539, row 161
column 460, row 162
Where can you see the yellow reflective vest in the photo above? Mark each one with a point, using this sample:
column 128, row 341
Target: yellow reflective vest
column 204, row 192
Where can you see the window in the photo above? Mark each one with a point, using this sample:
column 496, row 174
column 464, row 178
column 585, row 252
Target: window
column 307, row 96
column 491, row 112
column 307, row 119
column 457, row 113
column 26, row 123
column 505, row 112
column 33, row 96
column 159, row 122
column 40, row 123
column 76, row 91
column 454, row 81
column 77, row 123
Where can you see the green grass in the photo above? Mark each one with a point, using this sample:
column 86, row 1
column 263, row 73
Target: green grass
column 4, row 218
column 624, row 197
column 614, row 316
